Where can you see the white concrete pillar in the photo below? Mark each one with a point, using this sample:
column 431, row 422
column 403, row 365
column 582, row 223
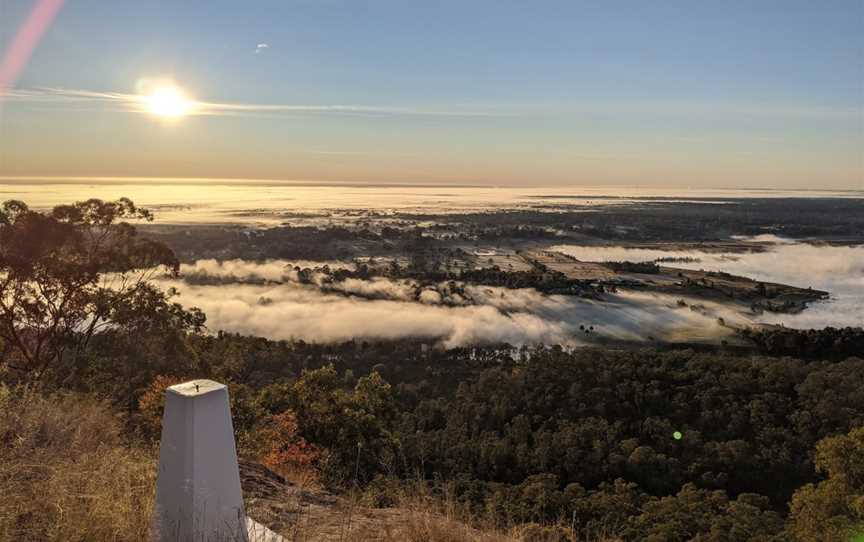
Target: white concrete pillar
column 198, row 495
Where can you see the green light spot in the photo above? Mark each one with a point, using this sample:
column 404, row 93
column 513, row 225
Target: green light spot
column 677, row 435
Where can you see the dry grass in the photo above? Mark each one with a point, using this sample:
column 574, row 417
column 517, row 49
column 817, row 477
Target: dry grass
column 65, row 475
column 419, row 516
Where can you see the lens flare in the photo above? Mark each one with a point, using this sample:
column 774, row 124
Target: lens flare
column 25, row 42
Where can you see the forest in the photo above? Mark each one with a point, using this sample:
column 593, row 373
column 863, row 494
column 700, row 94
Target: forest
column 641, row 444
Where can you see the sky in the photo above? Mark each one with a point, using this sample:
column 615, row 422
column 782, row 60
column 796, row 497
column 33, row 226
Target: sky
column 754, row 93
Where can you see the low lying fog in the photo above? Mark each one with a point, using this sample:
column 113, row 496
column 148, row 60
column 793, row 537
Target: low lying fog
column 838, row 270
column 380, row 308
column 268, row 299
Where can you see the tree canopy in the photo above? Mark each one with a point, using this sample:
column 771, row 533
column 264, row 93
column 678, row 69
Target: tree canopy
column 71, row 273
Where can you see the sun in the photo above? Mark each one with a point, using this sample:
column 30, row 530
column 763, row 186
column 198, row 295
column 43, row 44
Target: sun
column 168, row 102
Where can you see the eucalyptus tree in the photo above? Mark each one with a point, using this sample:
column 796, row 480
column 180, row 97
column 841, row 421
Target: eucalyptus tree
column 74, row 272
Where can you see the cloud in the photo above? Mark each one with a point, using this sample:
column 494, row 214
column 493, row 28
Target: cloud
column 136, row 103
column 131, row 103
column 706, row 110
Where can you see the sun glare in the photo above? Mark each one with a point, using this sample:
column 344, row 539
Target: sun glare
column 168, row 102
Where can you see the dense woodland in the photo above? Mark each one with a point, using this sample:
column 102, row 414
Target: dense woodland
column 636, row 444
column 829, row 342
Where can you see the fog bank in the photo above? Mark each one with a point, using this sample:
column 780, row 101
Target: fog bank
column 344, row 310
column 838, row 270
column 272, row 299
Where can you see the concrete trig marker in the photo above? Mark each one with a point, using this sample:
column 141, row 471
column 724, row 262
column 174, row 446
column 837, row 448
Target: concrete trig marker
column 198, row 494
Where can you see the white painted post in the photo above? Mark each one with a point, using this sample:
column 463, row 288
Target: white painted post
column 198, row 494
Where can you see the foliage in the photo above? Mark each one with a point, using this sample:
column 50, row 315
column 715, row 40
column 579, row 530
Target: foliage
column 582, row 437
column 73, row 273
column 352, row 424
column 833, row 509
column 541, row 279
column 151, row 405
column 703, row 515
column 285, row 451
column 583, row 443
column 634, row 267
column 826, row 343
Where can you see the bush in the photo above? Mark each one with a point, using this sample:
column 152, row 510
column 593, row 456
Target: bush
column 287, row 453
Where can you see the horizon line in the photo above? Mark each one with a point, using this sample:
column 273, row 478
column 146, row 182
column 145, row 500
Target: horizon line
column 143, row 180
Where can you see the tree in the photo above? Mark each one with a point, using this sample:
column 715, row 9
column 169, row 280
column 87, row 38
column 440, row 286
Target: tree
column 352, row 425
column 701, row 515
column 834, row 508
column 67, row 275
